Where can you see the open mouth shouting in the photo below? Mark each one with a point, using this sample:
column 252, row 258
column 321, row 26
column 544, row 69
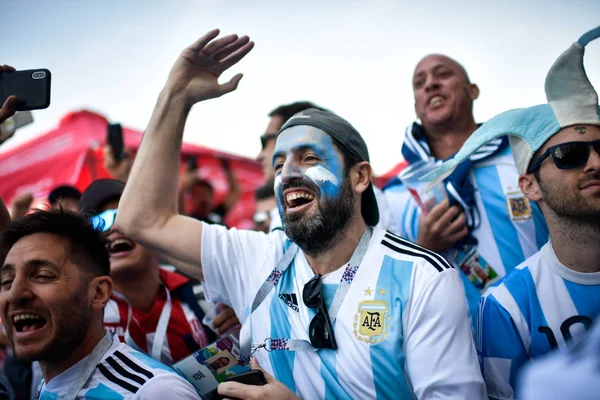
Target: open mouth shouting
column 297, row 200
column 27, row 323
column 120, row 246
column 435, row 100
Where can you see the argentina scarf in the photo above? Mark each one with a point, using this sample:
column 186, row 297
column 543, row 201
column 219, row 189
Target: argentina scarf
column 458, row 186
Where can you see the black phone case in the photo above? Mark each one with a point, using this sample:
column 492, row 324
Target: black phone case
column 32, row 88
column 253, row 377
column 115, row 140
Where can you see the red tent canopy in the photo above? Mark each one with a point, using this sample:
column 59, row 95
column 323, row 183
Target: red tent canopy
column 381, row 180
column 72, row 154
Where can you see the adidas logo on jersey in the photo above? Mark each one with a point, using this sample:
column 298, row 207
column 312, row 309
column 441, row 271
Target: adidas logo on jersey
column 290, row 299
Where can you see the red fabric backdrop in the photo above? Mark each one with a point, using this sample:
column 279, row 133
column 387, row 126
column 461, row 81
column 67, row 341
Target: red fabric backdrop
column 72, row 154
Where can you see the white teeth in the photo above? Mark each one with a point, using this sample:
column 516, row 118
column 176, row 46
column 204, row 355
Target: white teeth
column 299, row 195
column 435, row 100
column 119, row 241
column 25, row 316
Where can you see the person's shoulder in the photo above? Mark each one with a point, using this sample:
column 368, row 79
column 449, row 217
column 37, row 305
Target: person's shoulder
column 422, row 259
column 166, row 386
column 139, row 361
column 521, row 279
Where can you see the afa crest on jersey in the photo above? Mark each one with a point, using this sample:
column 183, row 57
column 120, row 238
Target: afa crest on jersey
column 372, row 322
column 518, row 206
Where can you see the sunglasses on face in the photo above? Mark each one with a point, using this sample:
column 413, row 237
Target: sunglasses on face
column 104, row 221
column 264, row 139
column 568, row 155
column 320, row 330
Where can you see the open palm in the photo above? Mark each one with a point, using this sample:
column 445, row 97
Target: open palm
column 197, row 70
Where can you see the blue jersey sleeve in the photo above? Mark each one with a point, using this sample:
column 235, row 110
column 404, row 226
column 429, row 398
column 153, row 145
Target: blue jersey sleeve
column 500, row 347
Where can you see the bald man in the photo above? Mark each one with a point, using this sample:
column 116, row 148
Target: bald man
column 487, row 226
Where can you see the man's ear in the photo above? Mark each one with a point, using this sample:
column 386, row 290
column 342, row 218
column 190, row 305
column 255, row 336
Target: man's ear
column 530, row 187
column 361, row 173
column 100, row 291
column 474, row 91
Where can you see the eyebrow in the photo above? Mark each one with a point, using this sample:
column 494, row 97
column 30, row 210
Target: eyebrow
column 35, row 263
column 434, row 69
column 6, row 267
column 300, row 147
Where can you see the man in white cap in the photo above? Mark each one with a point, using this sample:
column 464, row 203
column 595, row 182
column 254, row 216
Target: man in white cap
column 553, row 296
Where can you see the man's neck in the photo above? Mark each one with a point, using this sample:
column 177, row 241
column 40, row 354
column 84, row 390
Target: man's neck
column 140, row 288
column 576, row 243
column 445, row 140
column 51, row 369
column 339, row 254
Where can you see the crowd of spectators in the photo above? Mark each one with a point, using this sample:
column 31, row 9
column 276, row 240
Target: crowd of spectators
column 342, row 289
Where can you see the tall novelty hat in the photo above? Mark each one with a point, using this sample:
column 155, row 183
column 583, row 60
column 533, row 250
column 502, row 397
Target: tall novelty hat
column 572, row 100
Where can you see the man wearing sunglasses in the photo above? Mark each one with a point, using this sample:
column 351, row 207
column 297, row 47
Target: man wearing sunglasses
column 332, row 308
column 552, row 297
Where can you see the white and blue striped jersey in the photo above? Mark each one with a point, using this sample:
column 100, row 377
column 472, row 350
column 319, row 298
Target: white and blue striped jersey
column 402, row 329
column 541, row 305
column 573, row 374
column 512, row 228
column 123, row 373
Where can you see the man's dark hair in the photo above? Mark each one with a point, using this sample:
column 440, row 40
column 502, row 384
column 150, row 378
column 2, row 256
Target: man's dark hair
column 286, row 111
column 206, row 184
column 64, row 192
column 87, row 246
column 266, row 191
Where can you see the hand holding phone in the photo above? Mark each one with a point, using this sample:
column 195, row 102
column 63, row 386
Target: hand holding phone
column 115, row 141
column 31, row 87
column 262, row 386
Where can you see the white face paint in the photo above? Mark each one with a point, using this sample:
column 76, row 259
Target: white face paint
column 277, row 183
column 318, row 173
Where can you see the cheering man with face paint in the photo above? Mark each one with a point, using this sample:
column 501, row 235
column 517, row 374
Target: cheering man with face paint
column 552, row 297
column 332, row 307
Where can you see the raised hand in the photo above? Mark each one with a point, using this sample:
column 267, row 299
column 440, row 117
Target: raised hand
column 196, row 72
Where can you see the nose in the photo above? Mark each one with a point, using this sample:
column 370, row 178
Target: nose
column 19, row 290
column 290, row 171
column 431, row 83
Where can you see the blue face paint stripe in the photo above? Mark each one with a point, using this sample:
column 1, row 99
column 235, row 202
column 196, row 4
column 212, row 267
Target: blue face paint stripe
column 387, row 356
column 283, row 361
column 301, row 138
column 494, row 202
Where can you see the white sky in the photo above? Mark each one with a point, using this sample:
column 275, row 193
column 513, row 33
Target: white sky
column 355, row 57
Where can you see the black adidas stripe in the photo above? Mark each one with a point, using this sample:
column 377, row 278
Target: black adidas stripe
column 414, row 246
column 126, row 374
column 425, row 255
column 133, row 365
column 115, row 380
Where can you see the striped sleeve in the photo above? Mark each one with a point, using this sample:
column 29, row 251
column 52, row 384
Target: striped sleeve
column 404, row 209
column 501, row 342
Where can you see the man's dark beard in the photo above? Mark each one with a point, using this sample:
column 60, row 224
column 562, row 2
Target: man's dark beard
column 321, row 232
column 569, row 205
column 71, row 327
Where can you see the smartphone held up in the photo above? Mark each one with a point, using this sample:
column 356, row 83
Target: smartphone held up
column 31, row 87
